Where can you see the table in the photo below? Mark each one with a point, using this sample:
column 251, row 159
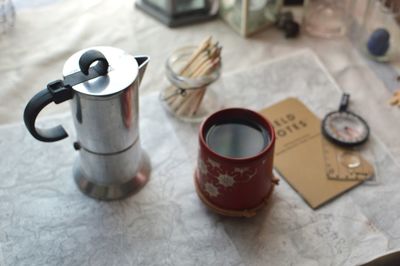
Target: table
column 153, row 228
column 45, row 220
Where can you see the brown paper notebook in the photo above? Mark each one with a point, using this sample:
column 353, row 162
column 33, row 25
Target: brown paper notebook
column 299, row 153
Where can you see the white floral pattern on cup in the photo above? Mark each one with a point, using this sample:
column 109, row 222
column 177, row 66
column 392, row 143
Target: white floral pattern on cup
column 213, row 163
column 202, row 167
column 211, row 189
column 226, row 180
column 221, row 178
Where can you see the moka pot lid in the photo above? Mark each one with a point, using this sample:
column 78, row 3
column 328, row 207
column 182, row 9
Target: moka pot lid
column 122, row 72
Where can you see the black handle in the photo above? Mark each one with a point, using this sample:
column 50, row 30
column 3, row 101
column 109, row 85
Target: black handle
column 56, row 92
column 91, row 56
column 344, row 102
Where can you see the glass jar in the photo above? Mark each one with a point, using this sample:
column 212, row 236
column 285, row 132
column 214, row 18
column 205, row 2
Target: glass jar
column 325, row 18
column 381, row 30
column 189, row 98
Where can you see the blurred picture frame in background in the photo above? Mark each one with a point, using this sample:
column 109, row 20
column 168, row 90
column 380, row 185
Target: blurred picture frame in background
column 175, row 13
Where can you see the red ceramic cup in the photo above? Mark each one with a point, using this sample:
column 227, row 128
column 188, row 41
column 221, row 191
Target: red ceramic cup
column 235, row 186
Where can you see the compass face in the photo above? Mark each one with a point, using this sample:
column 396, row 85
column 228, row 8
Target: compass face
column 345, row 128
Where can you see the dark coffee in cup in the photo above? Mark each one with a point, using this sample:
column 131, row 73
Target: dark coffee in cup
column 237, row 138
column 234, row 168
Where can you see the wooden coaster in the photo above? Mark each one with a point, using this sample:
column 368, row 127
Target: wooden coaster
column 233, row 213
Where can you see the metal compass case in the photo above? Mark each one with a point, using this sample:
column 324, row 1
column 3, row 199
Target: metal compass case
column 102, row 84
column 343, row 127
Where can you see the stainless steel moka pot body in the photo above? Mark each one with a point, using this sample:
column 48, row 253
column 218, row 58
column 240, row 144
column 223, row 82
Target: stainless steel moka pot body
column 102, row 85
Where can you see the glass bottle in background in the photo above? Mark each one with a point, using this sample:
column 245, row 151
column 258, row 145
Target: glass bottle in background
column 250, row 16
column 7, row 15
column 380, row 36
column 257, row 14
column 325, row 18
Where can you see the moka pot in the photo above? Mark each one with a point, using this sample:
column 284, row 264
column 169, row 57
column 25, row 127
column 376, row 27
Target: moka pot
column 102, row 84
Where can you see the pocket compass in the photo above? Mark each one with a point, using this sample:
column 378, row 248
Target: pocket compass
column 344, row 131
column 345, row 128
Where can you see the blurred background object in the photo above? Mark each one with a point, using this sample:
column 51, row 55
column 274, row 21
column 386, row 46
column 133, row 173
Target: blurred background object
column 293, row 2
column 250, row 16
column 285, row 21
column 30, row 4
column 7, row 15
column 174, row 13
column 380, row 33
column 325, row 18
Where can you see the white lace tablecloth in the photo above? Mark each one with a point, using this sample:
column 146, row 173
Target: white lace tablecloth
column 45, row 220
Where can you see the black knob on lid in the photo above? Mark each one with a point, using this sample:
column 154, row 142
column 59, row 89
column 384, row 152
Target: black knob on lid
column 91, row 56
